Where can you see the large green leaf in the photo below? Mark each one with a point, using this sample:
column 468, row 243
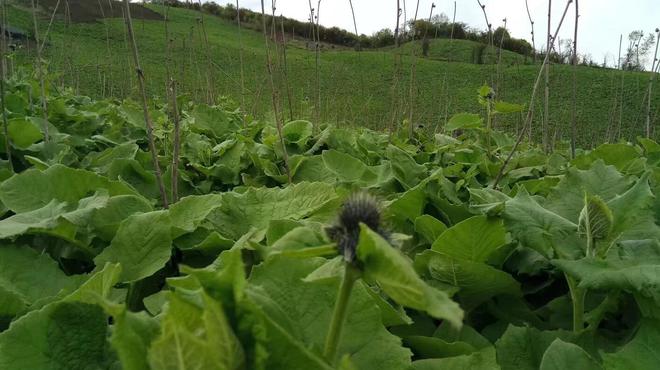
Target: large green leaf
column 297, row 132
column 23, row 132
column 352, row 170
column 561, row 355
column 188, row 213
column 66, row 334
column 27, row 276
column 482, row 360
column 143, row 244
column 238, row 213
column 132, row 335
column 473, row 239
column 477, row 281
column 195, row 336
column 406, row 170
column 42, row 218
column 298, row 316
column 213, row 121
column 56, row 218
column 523, row 348
column 34, row 189
column 106, row 221
column 567, row 199
column 641, row 353
column 534, row 226
column 464, row 121
column 395, row 274
column 633, row 213
column 633, row 267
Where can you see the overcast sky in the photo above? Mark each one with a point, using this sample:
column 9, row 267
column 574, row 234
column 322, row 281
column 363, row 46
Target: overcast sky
column 601, row 21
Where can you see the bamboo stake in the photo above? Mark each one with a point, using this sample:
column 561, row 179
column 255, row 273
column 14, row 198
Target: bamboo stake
column 3, row 72
column 350, row 2
column 574, row 110
column 274, row 95
column 413, row 77
column 546, row 101
column 285, row 71
column 651, row 80
column 145, row 107
column 50, row 24
column 177, row 144
column 240, row 53
column 209, row 74
column 528, row 120
column 529, row 15
column 40, row 71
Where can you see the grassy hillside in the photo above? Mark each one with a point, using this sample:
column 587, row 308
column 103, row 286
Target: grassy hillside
column 357, row 87
column 463, row 51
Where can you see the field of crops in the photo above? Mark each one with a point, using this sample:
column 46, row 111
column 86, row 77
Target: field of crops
column 384, row 252
column 357, row 87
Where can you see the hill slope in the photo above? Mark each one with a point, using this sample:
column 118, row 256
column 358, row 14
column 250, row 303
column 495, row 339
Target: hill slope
column 357, row 87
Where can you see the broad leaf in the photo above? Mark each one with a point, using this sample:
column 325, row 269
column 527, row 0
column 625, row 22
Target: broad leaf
column 143, row 244
column 562, row 355
column 473, row 239
column 396, row 276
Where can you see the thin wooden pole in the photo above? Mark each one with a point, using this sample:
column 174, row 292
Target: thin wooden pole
column 546, row 101
column 574, row 111
column 274, row 95
column 145, row 105
column 531, row 21
column 651, row 80
column 177, row 143
column 3, row 72
column 240, row 54
column 40, row 71
column 528, row 120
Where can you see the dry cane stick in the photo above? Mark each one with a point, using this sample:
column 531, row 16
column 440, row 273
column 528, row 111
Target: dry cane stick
column 274, row 95
column 145, row 107
column 3, row 74
column 574, row 117
column 240, row 55
column 177, row 145
column 52, row 17
column 40, row 70
column 651, row 80
column 528, row 120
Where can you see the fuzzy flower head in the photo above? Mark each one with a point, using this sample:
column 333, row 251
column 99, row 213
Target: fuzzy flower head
column 358, row 208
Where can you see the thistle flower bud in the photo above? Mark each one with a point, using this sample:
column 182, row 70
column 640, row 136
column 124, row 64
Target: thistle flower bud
column 358, row 208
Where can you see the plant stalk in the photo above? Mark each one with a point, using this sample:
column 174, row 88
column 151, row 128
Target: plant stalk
column 177, row 144
column 145, row 106
column 546, row 102
column 275, row 96
column 575, row 57
column 577, row 297
column 40, row 71
column 528, row 120
column 651, row 79
column 351, row 274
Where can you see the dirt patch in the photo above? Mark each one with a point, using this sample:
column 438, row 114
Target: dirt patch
column 93, row 10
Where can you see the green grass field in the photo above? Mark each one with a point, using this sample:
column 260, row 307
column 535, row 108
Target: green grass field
column 357, row 87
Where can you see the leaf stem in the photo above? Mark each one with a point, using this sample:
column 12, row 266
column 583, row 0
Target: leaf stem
column 351, row 274
column 577, row 296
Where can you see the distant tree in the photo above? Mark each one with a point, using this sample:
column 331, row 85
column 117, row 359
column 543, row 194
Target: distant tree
column 440, row 19
column 638, row 50
column 384, row 37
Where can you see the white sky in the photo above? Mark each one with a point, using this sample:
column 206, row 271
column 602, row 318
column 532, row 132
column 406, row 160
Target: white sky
column 601, row 21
